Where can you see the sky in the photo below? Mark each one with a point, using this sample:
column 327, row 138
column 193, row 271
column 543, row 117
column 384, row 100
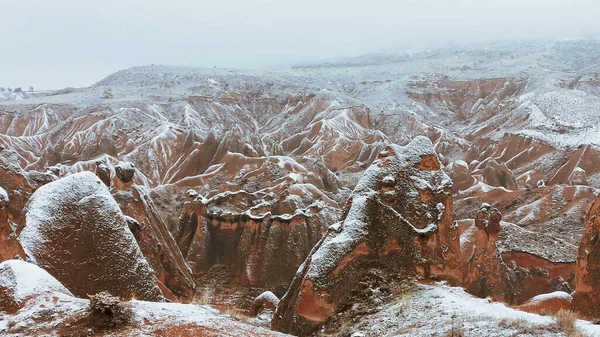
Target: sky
column 60, row 43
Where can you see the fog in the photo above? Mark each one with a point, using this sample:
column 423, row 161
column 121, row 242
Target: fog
column 54, row 44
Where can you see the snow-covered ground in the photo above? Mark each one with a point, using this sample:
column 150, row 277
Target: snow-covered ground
column 440, row 310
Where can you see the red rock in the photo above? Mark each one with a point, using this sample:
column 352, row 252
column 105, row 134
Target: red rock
column 156, row 243
column 482, row 262
column 21, row 281
column 586, row 299
column 548, row 304
column 496, row 174
column 75, row 230
column 461, row 176
column 399, row 218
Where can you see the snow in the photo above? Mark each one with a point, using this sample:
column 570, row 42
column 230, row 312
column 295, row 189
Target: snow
column 3, row 196
column 549, row 296
column 24, row 280
column 433, row 310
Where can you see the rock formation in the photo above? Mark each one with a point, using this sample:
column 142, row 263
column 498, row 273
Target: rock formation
column 496, row 174
column 482, row 261
column 587, row 274
column 399, row 219
column 75, row 230
column 153, row 237
column 548, row 303
column 103, row 172
column 261, row 235
column 266, row 300
column 21, row 281
column 461, row 176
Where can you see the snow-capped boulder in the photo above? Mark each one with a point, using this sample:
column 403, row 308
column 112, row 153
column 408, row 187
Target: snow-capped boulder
column 125, row 171
column 398, row 220
column 461, row 176
column 496, row 174
column 548, row 303
column 75, row 230
column 266, row 300
column 21, row 281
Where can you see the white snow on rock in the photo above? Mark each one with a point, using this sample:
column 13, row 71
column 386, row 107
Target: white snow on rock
column 3, row 197
column 549, row 296
column 20, row 281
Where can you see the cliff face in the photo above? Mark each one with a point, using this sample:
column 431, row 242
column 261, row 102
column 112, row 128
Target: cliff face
column 153, row 237
column 263, row 237
column 398, row 219
column 587, row 273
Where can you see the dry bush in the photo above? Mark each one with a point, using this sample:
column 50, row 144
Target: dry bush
column 107, row 311
column 565, row 319
column 512, row 323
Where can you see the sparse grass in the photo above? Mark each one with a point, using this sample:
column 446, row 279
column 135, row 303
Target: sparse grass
column 236, row 314
column 512, row 323
column 565, row 320
column 455, row 330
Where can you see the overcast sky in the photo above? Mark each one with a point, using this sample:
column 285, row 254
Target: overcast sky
column 59, row 43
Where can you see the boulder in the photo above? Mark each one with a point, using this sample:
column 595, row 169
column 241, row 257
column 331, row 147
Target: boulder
column 266, row 300
column 75, row 230
column 461, row 176
column 398, row 219
column 548, row 304
column 103, row 172
column 21, row 281
column 496, row 174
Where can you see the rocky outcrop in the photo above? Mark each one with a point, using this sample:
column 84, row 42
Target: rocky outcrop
column 587, row 274
column 16, row 186
column 21, row 281
column 266, row 300
column 103, row 172
column 496, row 174
column 461, row 176
column 481, row 259
column 548, row 303
column 156, row 242
column 535, row 264
column 75, row 230
column 398, row 219
column 263, row 236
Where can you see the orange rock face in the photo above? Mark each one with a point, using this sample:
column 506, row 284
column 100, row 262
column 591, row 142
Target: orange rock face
column 399, row 219
column 587, row 275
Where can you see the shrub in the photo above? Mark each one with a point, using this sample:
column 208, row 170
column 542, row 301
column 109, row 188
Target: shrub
column 565, row 319
column 107, row 311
